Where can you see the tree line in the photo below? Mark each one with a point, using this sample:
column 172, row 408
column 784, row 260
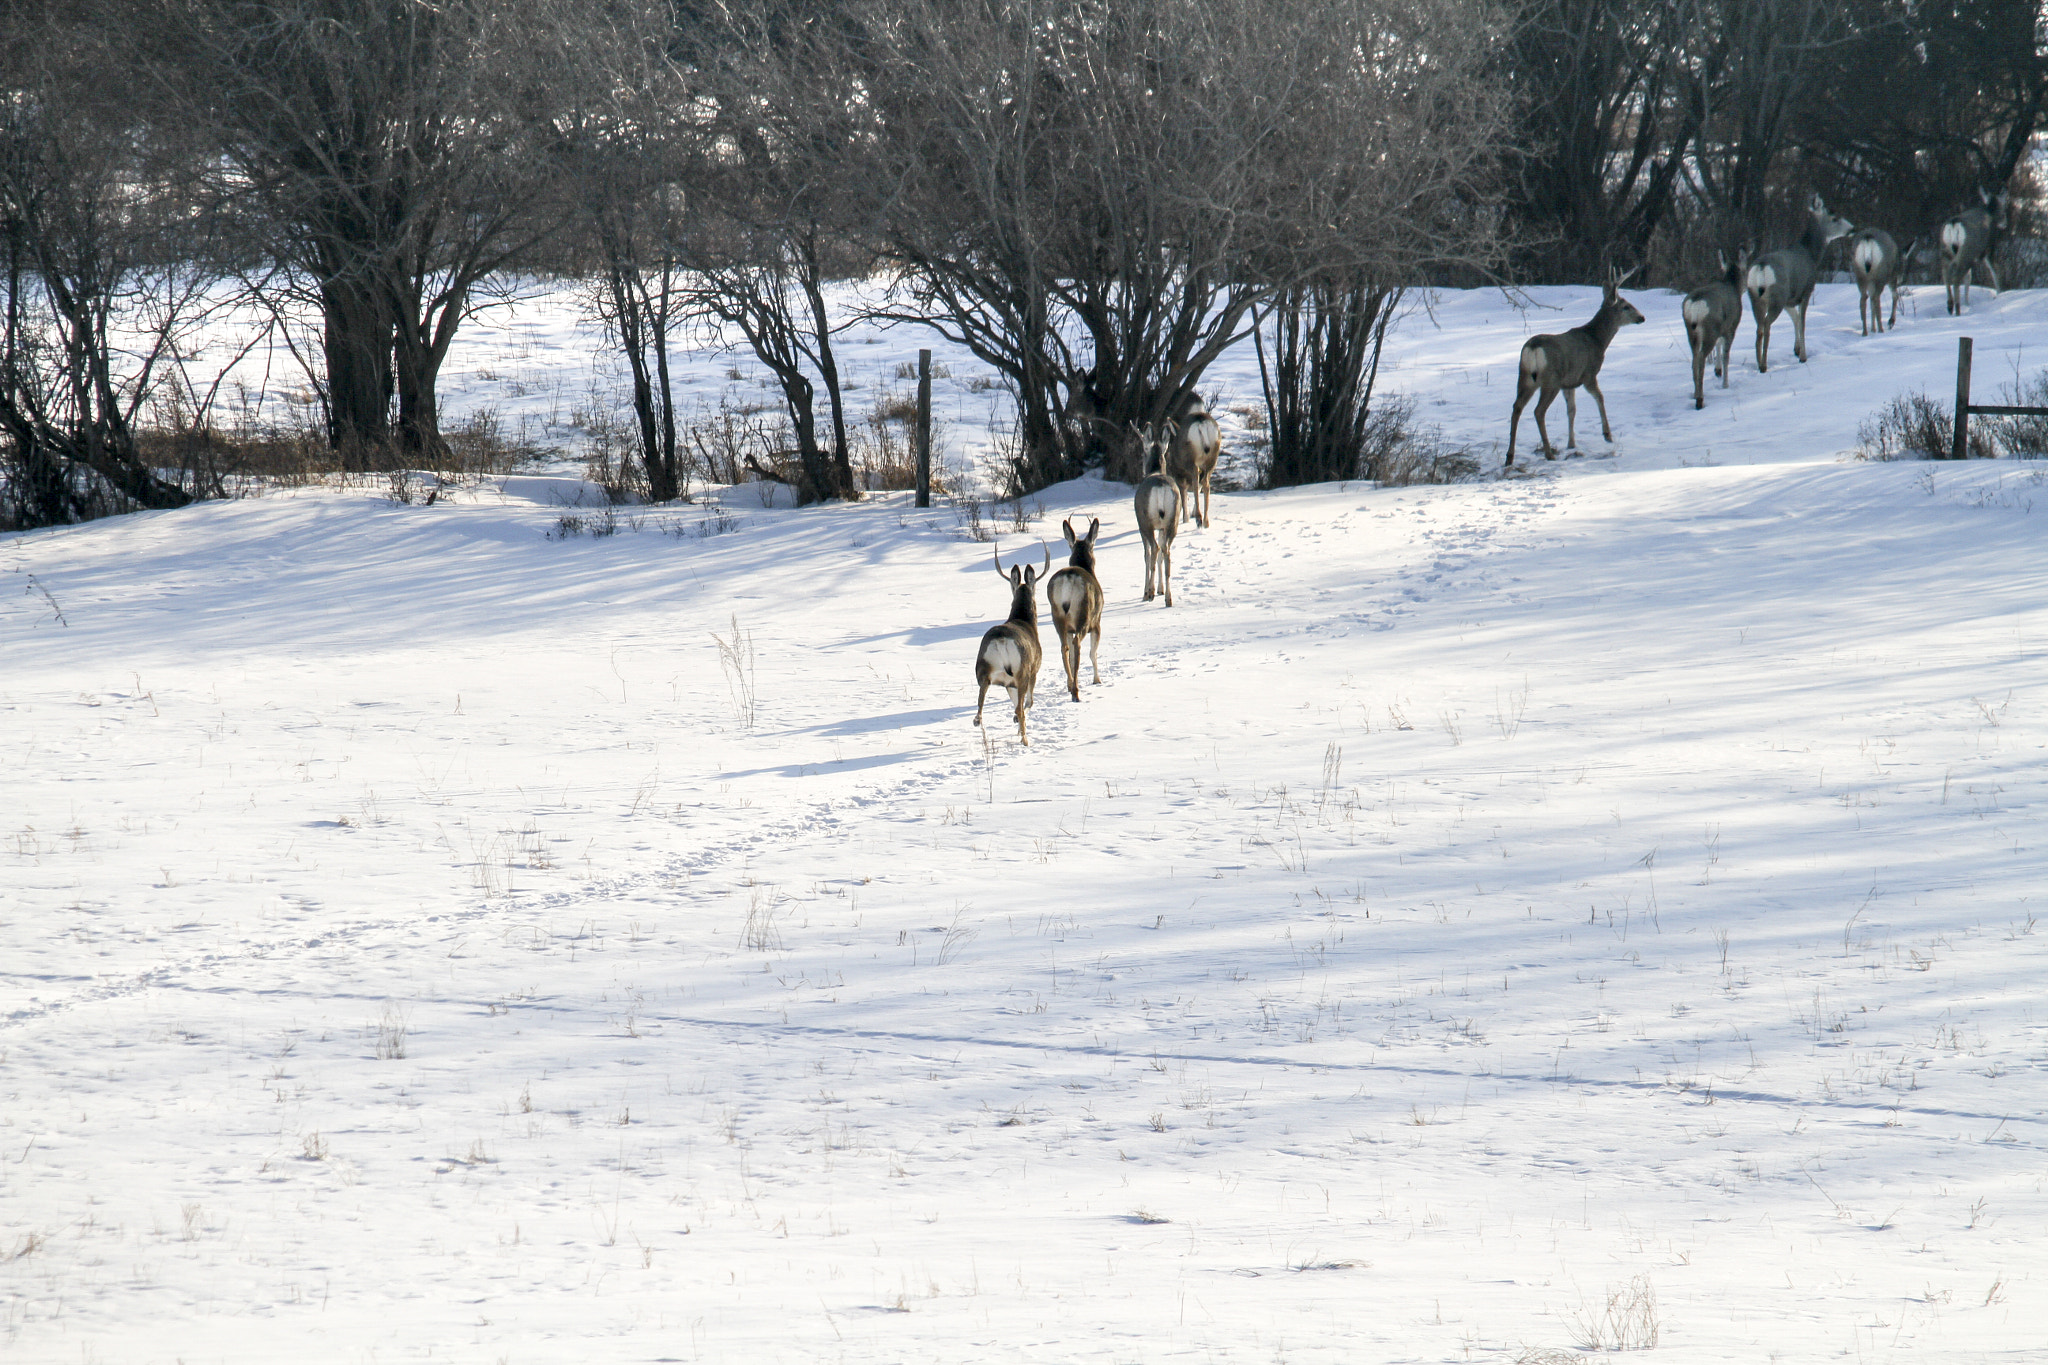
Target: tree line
column 1096, row 198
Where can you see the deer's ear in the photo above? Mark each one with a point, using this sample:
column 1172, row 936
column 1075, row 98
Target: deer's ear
column 1094, row 525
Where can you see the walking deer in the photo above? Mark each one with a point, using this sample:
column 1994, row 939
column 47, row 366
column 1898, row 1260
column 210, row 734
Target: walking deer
column 1713, row 314
column 1073, row 596
column 1784, row 280
column 1157, row 503
column 1568, row 361
column 1194, row 461
column 1966, row 240
column 1009, row 653
column 1878, row 264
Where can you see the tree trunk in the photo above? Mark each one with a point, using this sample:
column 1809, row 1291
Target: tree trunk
column 357, row 346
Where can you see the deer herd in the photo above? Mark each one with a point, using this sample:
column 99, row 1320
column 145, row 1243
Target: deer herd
column 1777, row 283
column 1179, row 459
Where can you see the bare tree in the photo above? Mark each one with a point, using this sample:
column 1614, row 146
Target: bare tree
column 1607, row 119
column 635, row 156
column 1924, row 107
column 1756, row 78
column 102, row 277
column 395, row 152
column 1095, row 198
column 787, row 204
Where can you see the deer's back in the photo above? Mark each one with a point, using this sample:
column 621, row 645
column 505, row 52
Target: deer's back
column 1075, row 598
column 1713, row 308
column 1784, row 276
column 1008, row 651
column 1157, row 503
column 1196, row 451
column 1874, row 255
column 1562, row 360
column 1966, row 234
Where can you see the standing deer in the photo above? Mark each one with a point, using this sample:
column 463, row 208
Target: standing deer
column 1009, row 653
column 1157, row 503
column 1074, row 597
column 1194, row 461
column 1877, row 263
column 1713, row 315
column 1567, row 361
column 1966, row 240
column 1785, row 278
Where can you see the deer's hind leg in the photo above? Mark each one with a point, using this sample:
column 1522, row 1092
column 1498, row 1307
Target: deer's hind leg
column 1543, row 428
column 1593, row 387
column 1525, row 388
column 1094, row 649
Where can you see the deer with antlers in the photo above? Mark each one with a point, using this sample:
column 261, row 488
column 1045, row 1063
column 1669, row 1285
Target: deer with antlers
column 1570, row 361
column 1010, row 653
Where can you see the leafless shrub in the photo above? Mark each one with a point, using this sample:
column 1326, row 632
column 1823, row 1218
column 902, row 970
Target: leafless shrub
column 737, row 442
column 884, row 447
column 1626, row 1322
column 967, row 511
column 611, row 453
column 760, row 932
column 736, row 656
column 1913, row 426
column 2022, row 437
column 1396, row 453
column 391, row 1034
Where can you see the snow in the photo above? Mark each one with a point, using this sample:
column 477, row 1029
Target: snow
column 423, row 936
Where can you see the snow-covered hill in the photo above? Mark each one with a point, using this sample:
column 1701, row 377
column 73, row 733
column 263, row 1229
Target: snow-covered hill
column 1514, row 915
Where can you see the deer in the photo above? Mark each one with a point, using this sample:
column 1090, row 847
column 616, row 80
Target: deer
column 1157, row 504
column 1877, row 263
column 1074, row 598
column 1965, row 241
column 1784, row 280
column 1009, row 653
column 1713, row 314
column 1569, row 361
column 1194, row 461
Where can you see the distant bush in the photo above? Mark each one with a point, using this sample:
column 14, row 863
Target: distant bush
column 1394, row 452
column 2021, row 438
column 1913, row 426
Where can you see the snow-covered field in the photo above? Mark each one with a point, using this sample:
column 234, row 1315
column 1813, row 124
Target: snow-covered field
column 1591, row 907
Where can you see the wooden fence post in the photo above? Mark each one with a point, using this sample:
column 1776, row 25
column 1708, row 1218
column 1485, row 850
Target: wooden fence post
column 924, row 428
column 1961, row 449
